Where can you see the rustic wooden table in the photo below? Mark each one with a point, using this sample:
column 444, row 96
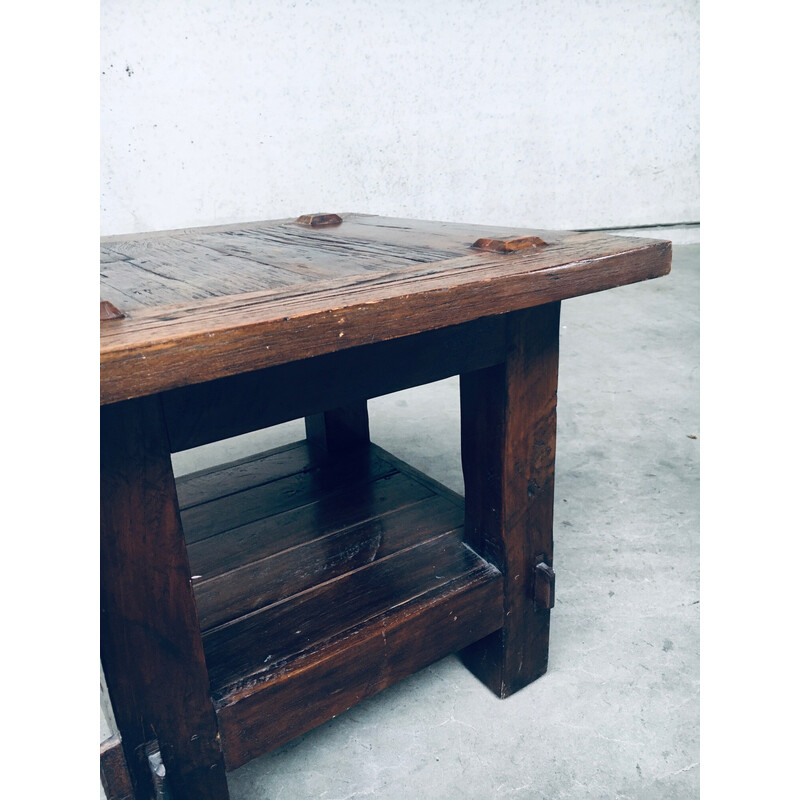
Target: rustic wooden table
column 245, row 604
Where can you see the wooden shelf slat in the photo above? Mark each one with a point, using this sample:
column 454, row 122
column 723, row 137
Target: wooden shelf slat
column 204, row 520
column 248, row 645
column 327, row 680
column 245, row 473
column 322, row 558
column 267, row 537
column 335, row 566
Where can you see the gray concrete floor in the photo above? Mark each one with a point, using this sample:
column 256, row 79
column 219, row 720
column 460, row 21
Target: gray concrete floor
column 617, row 714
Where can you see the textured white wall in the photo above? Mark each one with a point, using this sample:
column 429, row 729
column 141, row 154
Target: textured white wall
column 568, row 113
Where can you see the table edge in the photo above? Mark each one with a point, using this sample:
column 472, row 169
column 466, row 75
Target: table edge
column 245, row 323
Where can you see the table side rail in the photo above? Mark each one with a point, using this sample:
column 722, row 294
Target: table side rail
column 215, row 410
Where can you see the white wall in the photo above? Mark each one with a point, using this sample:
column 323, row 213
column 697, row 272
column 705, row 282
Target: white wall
column 568, row 113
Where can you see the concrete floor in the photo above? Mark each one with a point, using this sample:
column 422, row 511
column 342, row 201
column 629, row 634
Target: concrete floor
column 617, row 714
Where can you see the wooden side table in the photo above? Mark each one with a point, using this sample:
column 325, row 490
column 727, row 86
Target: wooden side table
column 245, row 604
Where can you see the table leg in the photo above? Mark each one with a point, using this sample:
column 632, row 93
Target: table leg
column 339, row 429
column 151, row 647
column 508, row 441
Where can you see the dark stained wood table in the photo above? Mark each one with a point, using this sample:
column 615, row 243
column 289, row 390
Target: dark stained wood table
column 247, row 603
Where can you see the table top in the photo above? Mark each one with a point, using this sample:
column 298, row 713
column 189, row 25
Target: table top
column 187, row 306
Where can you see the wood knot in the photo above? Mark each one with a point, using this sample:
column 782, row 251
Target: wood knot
column 512, row 245
column 319, row 220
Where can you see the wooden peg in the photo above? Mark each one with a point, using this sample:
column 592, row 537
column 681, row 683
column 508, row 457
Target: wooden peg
column 109, row 311
column 319, row 220
column 544, row 586
column 508, row 245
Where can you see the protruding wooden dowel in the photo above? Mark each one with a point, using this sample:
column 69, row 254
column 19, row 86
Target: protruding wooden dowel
column 109, row 311
column 319, row 220
column 509, row 245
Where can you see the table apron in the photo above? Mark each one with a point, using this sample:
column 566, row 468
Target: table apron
column 207, row 412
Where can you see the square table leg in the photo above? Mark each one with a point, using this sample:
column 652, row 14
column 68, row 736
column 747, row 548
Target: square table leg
column 508, row 447
column 339, row 429
column 151, row 647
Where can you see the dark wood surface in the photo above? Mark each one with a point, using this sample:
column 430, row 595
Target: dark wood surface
column 240, row 650
column 258, row 580
column 239, row 404
column 508, row 448
column 313, row 583
column 321, row 530
column 207, row 303
column 339, row 428
column 281, row 530
column 245, row 473
column 340, row 672
column 206, row 520
column 150, row 641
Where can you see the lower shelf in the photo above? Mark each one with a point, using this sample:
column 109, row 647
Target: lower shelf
column 320, row 581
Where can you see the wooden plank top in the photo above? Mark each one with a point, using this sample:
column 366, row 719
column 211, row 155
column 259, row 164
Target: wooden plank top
column 187, row 306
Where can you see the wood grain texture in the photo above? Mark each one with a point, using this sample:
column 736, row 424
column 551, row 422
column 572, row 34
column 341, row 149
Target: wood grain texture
column 277, row 531
column 385, row 279
column 239, row 650
column 320, row 557
column 316, row 514
column 231, row 406
column 508, row 446
column 292, row 491
column 150, row 641
column 308, row 610
column 198, row 265
column 340, row 672
column 218, row 481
